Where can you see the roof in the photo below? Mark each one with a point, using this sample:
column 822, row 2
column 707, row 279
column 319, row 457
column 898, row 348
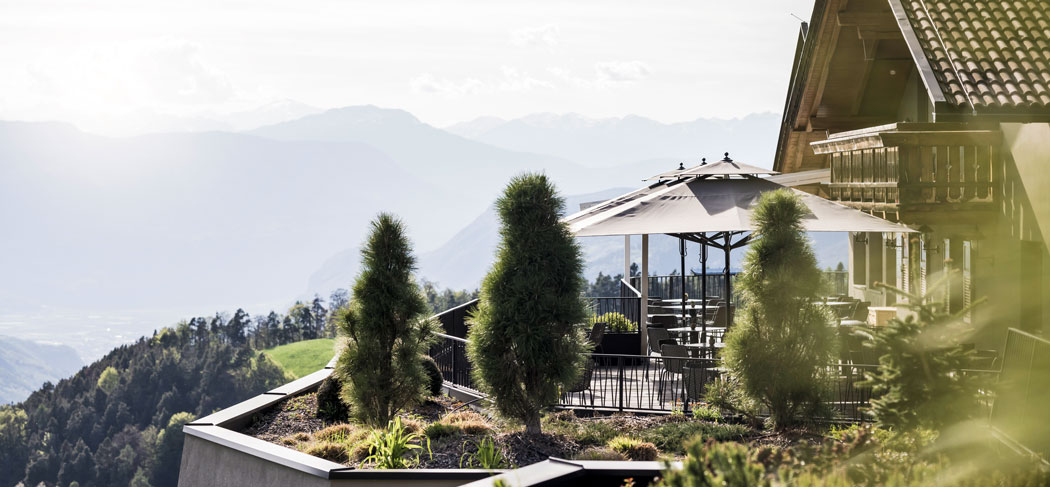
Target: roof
column 990, row 57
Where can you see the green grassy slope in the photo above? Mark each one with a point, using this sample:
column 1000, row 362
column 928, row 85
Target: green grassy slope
column 305, row 357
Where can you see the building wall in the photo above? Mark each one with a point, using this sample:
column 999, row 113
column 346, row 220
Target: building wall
column 1008, row 253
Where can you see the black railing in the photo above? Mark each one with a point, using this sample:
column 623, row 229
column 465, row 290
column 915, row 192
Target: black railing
column 454, row 321
column 654, row 384
column 629, row 307
column 670, row 287
column 1019, row 415
column 450, row 353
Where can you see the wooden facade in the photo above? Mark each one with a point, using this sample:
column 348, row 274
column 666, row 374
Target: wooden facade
column 874, row 98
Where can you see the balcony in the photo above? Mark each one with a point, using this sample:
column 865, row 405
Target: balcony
column 916, row 172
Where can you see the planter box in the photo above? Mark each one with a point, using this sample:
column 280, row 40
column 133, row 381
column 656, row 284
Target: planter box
column 621, row 344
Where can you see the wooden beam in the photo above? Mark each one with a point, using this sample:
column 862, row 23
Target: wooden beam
column 846, row 122
column 871, row 20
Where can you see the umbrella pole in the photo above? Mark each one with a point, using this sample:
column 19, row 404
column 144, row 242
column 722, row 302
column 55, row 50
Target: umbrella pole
column 703, row 289
column 681, row 251
column 729, row 292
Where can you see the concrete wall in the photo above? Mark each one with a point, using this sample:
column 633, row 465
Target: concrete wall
column 205, row 463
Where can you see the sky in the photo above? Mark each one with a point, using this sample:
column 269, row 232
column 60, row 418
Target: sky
column 104, row 62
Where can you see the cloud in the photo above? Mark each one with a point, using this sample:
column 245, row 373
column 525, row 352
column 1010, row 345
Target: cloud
column 541, row 36
column 510, row 79
column 621, row 71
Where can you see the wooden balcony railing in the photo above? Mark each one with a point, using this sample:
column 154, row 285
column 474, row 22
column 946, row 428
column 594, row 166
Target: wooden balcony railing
column 906, row 167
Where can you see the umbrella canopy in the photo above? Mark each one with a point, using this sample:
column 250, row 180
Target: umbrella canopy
column 700, row 204
column 725, row 167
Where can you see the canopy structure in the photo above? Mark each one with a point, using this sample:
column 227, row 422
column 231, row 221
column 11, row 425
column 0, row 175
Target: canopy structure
column 711, row 204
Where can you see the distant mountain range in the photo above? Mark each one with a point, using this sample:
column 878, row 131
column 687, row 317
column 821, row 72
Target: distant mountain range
column 26, row 365
column 107, row 229
column 615, row 141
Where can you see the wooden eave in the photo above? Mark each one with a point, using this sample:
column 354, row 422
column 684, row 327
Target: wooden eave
column 905, row 133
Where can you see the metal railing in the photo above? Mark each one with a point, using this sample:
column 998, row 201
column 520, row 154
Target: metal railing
column 670, row 287
column 629, row 307
column 1019, row 415
column 655, row 384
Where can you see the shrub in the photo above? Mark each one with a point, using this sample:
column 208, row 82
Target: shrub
column 388, row 448
column 672, row 436
column 330, row 407
column 525, row 339
column 300, row 436
column 634, row 449
column 704, row 412
column 780, row 344
column 438, row 430
column 434, row 379
column 289, row 441
column 486, row 455
column 615, row 322
column 721, row 464
column 600, row 453
column 918, row 383
column 386, row 329
column 339, row 433
column 333, row 452
column 412, row 425
column 468, row 422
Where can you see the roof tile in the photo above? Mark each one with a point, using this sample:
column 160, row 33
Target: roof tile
column 990, row 54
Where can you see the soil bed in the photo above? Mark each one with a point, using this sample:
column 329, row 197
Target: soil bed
column 455, row 432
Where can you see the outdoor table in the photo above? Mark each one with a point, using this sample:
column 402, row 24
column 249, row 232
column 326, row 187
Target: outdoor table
column 693, row 334
column 704, row 350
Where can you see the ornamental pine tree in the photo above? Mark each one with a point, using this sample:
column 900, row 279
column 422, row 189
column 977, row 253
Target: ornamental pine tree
column 387, row 328
column 780, row 343
column 526, row 340
column 919, row 382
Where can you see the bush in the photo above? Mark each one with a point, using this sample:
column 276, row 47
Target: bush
column 615, row 322
column 780, row 345
column 672, row 437
column 486, row 455
column 434, row 379
column 704, row 412
column 721, row 464
column 634, row 449
column 330, row 407
column 386, row 329
column 439, row 430
column 468, row 422
column 389, row 448
column 333, row 452
column 918, row 383
column 339, row 433
column 600, row 453
column 525, row 339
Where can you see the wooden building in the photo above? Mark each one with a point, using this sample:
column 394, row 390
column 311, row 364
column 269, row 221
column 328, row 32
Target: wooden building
column 936, row 115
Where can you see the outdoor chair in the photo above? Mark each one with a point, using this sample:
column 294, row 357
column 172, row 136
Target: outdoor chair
column 597, row 332
column 583, row 384
column 859, row 316
column 674, row 359
column 664, row 321
column 697, row 376
column 657, row 337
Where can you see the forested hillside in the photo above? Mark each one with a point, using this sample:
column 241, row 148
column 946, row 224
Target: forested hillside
column 119, row 420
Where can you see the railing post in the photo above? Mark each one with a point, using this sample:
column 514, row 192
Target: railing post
column 619, row 361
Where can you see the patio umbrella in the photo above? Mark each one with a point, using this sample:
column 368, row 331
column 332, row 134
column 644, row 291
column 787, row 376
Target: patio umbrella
column 712, row 204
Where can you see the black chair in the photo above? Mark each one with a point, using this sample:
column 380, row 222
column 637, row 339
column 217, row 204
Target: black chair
column 674, row 358
column 658, row 337
column 663, row 321
column 583, row 384
column 597, row 332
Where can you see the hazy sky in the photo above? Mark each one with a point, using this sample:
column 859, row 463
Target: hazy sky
column 444, row 61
